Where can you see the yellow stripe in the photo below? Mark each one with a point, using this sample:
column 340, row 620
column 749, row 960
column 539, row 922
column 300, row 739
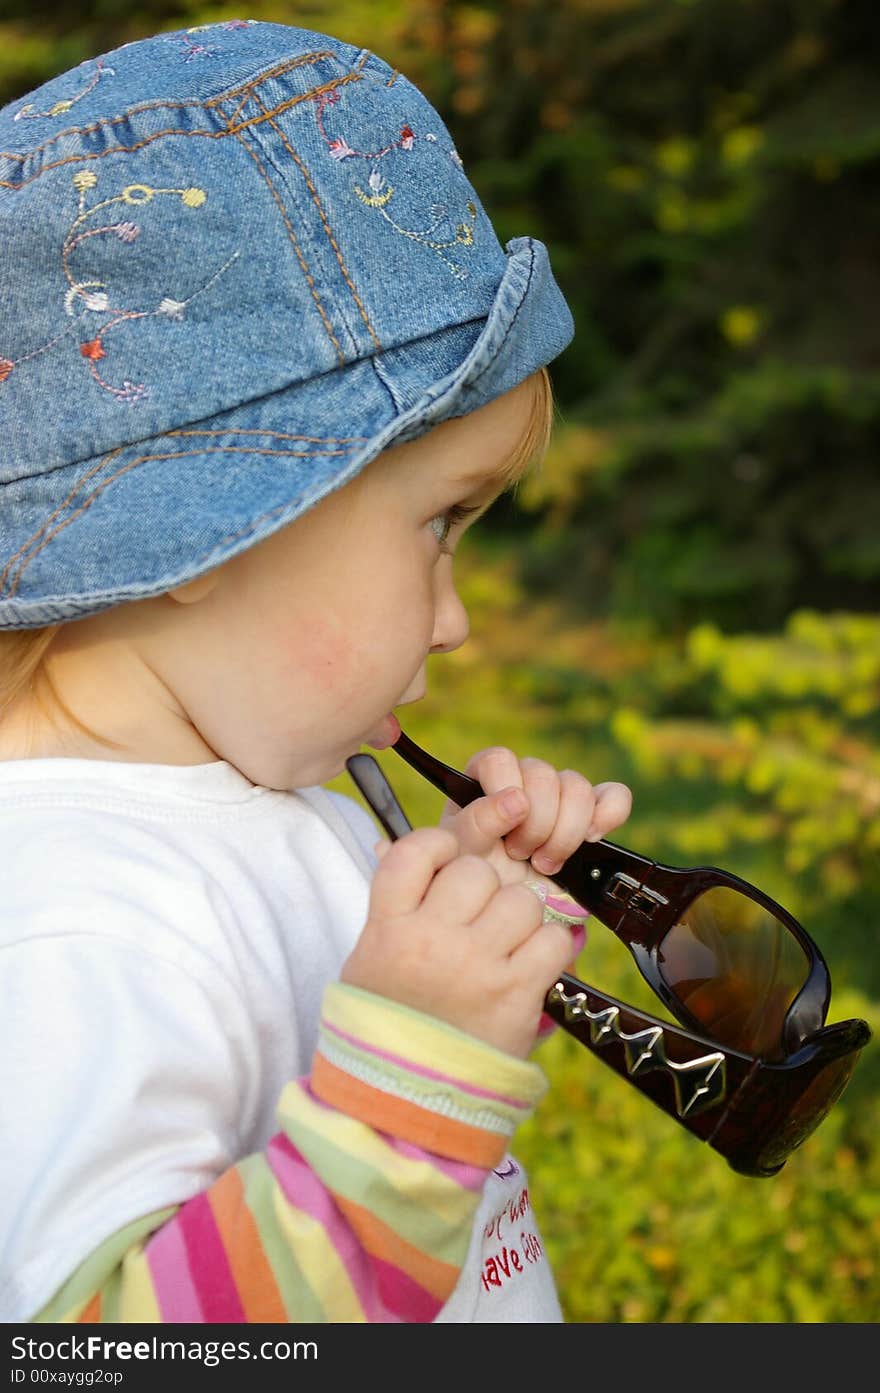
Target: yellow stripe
column 423, row 1041
column 408, row 1176
column 137, row 1295
column 318, row 1261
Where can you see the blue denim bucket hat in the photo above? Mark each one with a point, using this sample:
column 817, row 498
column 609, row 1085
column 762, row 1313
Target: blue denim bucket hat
column 237, row 262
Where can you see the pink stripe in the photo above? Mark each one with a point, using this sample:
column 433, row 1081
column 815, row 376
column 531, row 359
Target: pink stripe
column 175, row 1291
column 304, row 1191
column 209, row 1265
column 411, row 1068
column 467, row 1176
column 403, row 1296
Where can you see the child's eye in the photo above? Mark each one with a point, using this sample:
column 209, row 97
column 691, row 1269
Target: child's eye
column 443, row 523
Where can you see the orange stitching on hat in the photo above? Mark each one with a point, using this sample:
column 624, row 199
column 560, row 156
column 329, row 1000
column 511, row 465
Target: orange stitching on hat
column 302, row 261
column 112, row 121
column 157, row 135
column 179, row 454
column 327, row 228
column 27, row 112
column 102, row 154
column 108, row 459
column 285, row 66
column 171, row 106
column 230, row 125
column 295, row 101
column 393, row 78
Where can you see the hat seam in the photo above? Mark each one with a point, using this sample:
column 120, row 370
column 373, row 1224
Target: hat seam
column 132, row 464
column 300, row 255
column 325, row 223
column 209, row 104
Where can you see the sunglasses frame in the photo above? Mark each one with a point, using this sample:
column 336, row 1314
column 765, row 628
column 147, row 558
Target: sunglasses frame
column 640, row 900
column 744, row 1107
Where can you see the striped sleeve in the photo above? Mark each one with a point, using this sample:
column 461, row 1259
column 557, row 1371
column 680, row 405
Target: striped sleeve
column 361, row 1207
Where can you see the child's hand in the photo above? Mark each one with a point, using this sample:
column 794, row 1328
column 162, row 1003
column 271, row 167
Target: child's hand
column 446, row 937
column 552, row 813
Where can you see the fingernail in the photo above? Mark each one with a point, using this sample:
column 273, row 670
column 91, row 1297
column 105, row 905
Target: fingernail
column 513, row 803
column 546, row 864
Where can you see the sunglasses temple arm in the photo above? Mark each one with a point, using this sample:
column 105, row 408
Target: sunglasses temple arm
column 459, row 787
column 372, row 783
column 574, row 876
column 687, row 1077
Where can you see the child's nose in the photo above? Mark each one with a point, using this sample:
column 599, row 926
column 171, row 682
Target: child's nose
column 451, row 623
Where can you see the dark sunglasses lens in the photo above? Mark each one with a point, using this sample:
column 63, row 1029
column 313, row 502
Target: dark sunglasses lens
column 737, row 969
column 811, row 1108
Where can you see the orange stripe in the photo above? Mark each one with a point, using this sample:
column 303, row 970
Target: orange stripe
column 441, row 1135
column 254, row 1279
column 380, row 1241
column 91, row 1314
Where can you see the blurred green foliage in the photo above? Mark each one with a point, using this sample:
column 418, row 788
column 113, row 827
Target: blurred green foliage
column 685, row 595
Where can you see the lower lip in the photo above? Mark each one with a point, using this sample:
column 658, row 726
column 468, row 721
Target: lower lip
column 387, row 733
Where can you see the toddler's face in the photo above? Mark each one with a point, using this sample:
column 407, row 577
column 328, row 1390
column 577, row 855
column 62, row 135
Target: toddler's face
column 299, row 653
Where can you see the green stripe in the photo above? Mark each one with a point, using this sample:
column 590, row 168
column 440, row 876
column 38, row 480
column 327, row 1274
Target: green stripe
column 442, row 1097
column 260, row 1187
column 97, row 1271
column 363, row 1184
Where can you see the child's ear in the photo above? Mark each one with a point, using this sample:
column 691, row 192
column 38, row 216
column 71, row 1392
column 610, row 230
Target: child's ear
column 196, row 589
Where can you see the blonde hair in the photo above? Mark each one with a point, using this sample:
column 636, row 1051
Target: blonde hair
column 23, row 670
column 533, row 446
column 23, row 652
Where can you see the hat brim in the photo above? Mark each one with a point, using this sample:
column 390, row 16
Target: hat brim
column 138, row 521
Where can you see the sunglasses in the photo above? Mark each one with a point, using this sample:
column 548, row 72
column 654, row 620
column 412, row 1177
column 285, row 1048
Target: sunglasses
column 751, row 1069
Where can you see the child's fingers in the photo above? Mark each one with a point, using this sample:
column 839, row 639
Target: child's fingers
column 613, row 806
column 544, row 954
column 576, row 814
column 461, row 889
column 495, row 768
column 484, row 822
column 542, row 787
column 407, row 868
column 511, row 917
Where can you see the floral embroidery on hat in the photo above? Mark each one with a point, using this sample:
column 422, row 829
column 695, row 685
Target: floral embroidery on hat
column 192, row 49
column 27, row 113
column 85, row 297
column 379, row 192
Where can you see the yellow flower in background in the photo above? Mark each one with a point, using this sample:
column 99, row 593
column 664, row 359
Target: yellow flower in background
column 740, row 144
column 672, row 212
column 675, row 156
column 740, row 325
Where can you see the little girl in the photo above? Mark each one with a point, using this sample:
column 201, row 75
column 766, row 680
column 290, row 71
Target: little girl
column 262, row 362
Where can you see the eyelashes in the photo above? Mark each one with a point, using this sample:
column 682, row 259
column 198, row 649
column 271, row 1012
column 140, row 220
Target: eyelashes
column 443, row 523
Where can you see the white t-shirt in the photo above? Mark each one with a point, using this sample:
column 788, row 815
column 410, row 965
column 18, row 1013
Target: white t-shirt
column 162, row 924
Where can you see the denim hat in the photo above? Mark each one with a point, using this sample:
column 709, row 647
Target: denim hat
column 237, row 262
